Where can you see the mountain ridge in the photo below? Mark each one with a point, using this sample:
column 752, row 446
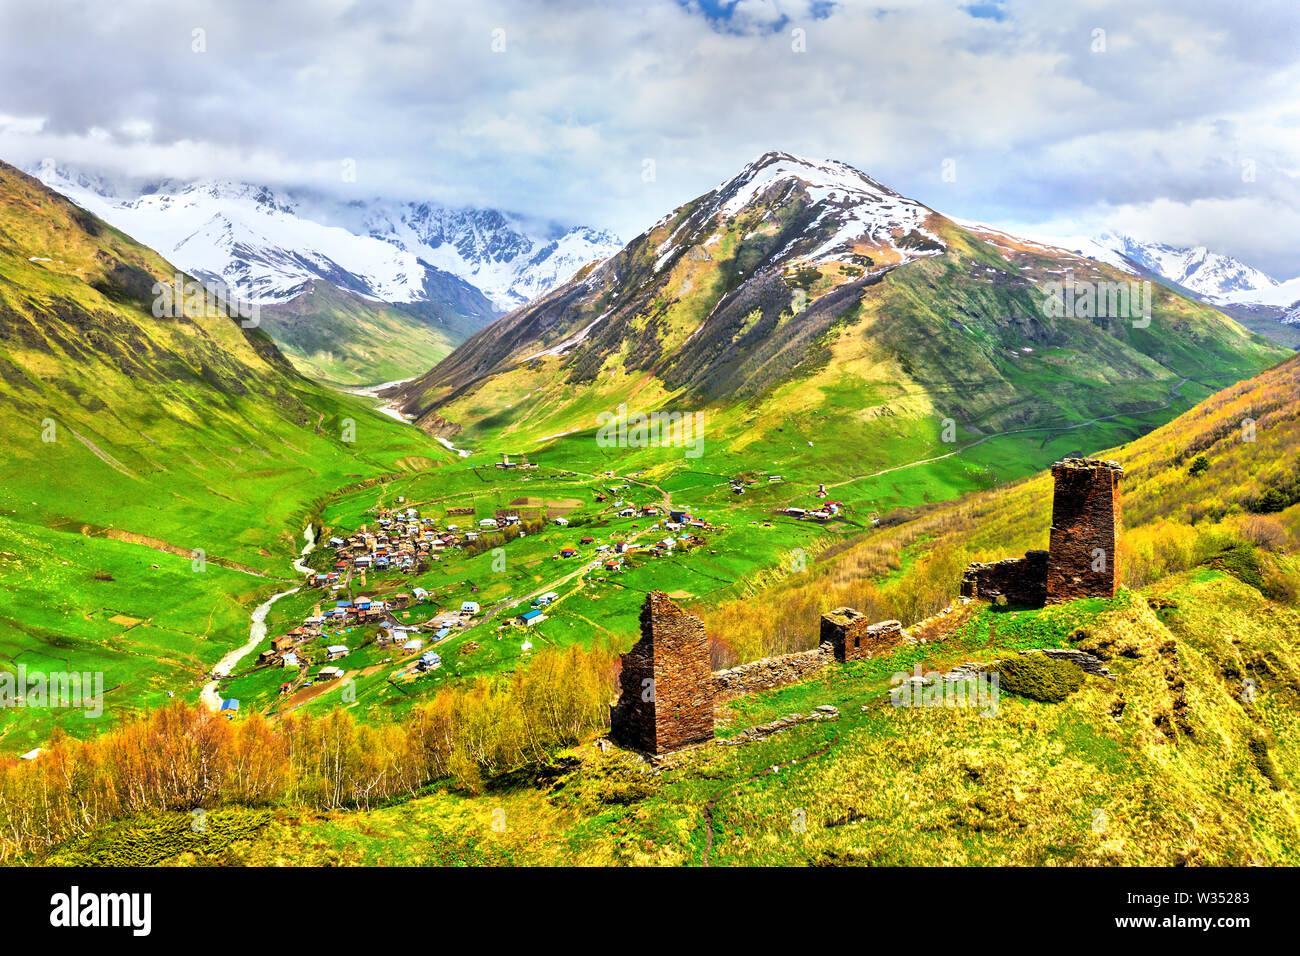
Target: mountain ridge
column 268, row 242
column 808, row 277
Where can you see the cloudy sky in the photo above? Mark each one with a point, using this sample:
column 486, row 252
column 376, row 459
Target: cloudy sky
column 1176, row 120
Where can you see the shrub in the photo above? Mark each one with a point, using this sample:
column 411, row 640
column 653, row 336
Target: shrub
column 1282, row 583
column 1242, row 561
column 1271, row 502
column 1039, row 677
column 1200, row 466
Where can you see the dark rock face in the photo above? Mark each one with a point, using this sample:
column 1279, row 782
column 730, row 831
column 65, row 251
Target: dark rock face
column 1083, row 559
column 851, row 637
column 666, row 685
column 1020, row 581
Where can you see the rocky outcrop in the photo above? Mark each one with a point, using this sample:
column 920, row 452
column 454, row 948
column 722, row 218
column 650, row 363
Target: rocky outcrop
column 1086, row 662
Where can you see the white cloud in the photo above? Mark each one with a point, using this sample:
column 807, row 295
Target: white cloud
column 1041, row 127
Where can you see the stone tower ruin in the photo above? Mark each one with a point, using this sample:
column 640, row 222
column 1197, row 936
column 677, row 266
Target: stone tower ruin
column 1083, row 556
column 1082, row 559
column 666, row 684
column 849, row 635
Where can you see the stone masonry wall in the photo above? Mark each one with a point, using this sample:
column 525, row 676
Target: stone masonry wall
column 770, row 672
column 1022, row 581
column 666, row 684
column 841, row 632
column 1083, row 555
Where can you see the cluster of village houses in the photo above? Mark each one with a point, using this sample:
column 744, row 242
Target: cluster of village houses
column 824, row 512
column 404, row 541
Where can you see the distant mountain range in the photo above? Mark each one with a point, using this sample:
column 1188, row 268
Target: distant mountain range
column 1211, row 275
column 1250, row 295
column 401, row 272
column 270, row 243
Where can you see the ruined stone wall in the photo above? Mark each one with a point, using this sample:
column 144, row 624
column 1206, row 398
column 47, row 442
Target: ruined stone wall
column 770, row 672
column 666, row 684
column 851, row 636
column 1021, row 581
column 666, row 688
column 1083, row 555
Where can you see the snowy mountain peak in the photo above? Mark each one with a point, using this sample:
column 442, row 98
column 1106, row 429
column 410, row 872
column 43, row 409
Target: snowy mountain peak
column 827, row 174
column 510, row 259
column 852, row 214
column 1208, row 274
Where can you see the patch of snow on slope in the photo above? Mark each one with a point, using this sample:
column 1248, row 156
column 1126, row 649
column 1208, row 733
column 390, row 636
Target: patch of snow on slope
column 855, row 204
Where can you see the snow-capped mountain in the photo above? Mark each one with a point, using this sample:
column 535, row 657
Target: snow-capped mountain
column 733, row 254
column 797, row 290
column 1213, row 276
column 510, row 259
column 854, row 213
column 269, row 244
column 1208, row 274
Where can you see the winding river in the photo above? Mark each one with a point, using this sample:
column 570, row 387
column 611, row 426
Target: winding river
column 209, row 697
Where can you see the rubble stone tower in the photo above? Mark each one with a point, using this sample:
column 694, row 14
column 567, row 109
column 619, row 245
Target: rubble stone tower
column 1083, row 557
column 666, row 685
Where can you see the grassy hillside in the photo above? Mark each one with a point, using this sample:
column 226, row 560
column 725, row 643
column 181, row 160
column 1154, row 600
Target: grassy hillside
column 1177, row 515
column 335, row 336
column 1172, row 763
column 134, row 441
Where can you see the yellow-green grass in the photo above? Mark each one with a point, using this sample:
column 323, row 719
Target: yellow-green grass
column 1170, row 764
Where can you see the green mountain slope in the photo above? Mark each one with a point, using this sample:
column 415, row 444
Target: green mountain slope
column 338, row 337
column 808, row 296
column 1190, row 755
column 134, row 442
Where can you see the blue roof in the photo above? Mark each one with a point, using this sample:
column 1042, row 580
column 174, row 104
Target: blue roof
column 442, row 632
column 529, row 615
column 342, row 603
column 231, row 704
